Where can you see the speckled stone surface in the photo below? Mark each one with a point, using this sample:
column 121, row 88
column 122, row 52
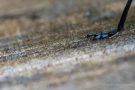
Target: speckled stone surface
column 43, row 45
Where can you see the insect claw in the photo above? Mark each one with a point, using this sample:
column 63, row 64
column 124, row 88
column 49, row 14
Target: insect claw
column 91, row 35
column 119, row 28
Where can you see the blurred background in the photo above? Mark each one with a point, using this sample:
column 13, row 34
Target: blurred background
column 16, row 13
column 43, row 45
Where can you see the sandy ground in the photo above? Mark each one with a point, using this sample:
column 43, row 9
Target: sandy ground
column 43, row 45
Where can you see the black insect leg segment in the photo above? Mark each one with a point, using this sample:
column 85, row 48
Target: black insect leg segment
column 124, row 16
column 119, row 28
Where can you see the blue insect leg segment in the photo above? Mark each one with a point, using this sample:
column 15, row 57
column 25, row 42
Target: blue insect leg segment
column 102, row 36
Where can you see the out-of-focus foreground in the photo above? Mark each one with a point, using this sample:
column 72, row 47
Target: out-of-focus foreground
column 43, row 45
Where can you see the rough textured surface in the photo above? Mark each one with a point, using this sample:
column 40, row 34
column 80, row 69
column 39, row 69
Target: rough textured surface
column 43, row 45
